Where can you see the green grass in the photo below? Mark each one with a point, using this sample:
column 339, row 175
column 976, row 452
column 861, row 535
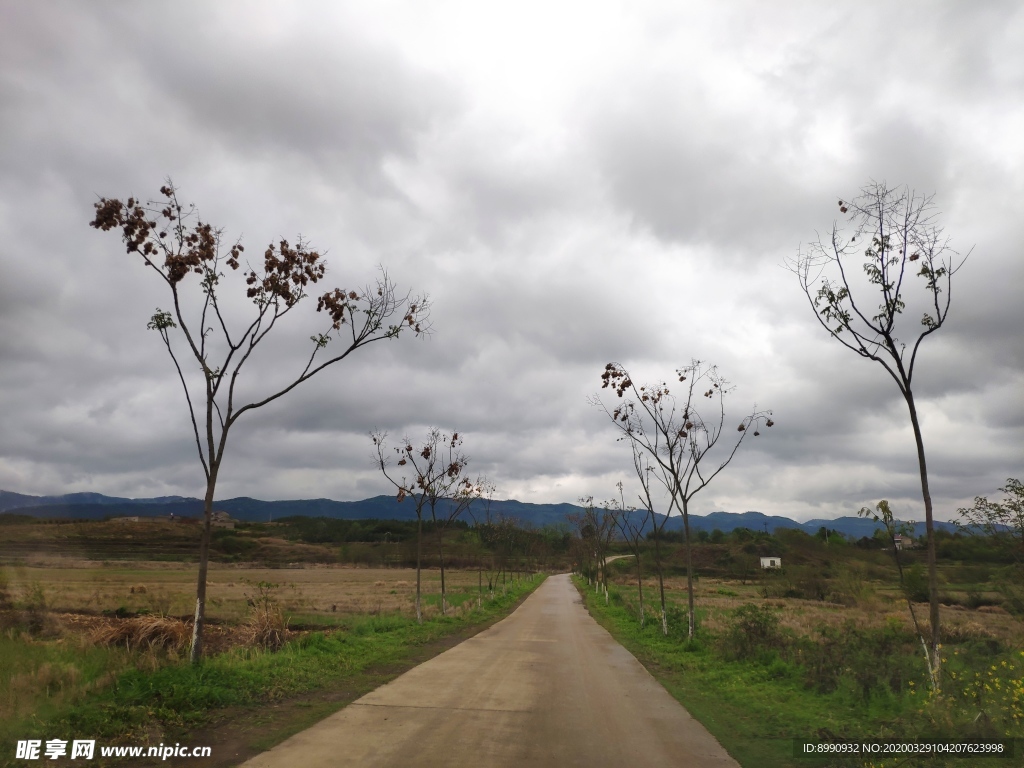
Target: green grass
column 176, row 696
column 757, row 704
column 453, row 599
column 38, row 679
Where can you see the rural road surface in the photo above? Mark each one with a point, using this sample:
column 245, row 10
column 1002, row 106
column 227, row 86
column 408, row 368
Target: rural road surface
column 546, row 686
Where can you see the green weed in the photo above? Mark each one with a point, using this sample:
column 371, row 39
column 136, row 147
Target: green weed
column 757, row 686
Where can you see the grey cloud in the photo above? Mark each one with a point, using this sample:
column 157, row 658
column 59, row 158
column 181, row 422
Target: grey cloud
column 649, row 230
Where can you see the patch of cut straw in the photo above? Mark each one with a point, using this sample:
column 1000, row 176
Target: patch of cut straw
column 145, row 631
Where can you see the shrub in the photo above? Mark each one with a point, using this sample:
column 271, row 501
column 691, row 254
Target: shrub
column 848, row 586
column 267, row 626
column 158, row 602
column 30, row 614
column 975, row 599
column 861, row 659
column 915, row 584
column 754, row 629
column 5, row 595
column 1011, row 587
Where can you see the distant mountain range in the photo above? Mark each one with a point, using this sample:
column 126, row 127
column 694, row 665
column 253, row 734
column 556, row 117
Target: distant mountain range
column 95, row 506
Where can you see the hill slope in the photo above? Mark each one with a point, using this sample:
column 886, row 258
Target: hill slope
column 95, row 506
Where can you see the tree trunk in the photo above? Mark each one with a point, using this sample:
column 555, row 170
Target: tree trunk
column 661, row 582
column 933, row 578
column 419, row 558
column 199, row 620
column 640, row 588
column 440, row 555
column 691, row 618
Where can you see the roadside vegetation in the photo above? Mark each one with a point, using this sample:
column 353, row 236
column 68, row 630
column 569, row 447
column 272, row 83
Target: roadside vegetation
column 501, row 544
column 101, row 647
column 825, row 648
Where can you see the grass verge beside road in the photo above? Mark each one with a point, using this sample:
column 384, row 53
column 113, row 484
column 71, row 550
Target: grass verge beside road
column 757, row 704
column 246, row 700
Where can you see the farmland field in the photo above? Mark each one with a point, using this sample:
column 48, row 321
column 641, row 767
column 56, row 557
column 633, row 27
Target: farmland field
column 879, row 605
column 315, row 594
column 92, row 615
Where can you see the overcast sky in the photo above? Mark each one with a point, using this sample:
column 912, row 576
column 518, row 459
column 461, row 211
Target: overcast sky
column 572, row 183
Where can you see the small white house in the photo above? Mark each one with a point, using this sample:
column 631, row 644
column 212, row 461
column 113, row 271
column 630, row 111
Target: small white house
column 771, row 562
column 903, row 542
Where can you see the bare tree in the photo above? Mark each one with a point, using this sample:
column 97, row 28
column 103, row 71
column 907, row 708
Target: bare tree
column 438, row 484
column 678, row 438
column 585, row 544
column 894, row 233
column 643, row 467
column 445, row 511
column 633, row 525
column 584, row 553
column 507, row 531
column 180, row 251
column 483, row 528
column 596, row 526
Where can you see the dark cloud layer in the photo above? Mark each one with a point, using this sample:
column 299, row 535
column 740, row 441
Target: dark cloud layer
column 570, row 187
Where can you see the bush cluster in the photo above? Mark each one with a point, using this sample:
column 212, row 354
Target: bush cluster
column 868, row 660
column 753, row 632
column 865, row 660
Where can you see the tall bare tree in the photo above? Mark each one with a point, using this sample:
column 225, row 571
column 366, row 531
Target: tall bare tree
column 184, row 252
column 679, row 440
column 437, row 483
column 894, row 238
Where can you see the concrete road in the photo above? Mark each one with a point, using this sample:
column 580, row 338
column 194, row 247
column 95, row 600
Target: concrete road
column 546, row 686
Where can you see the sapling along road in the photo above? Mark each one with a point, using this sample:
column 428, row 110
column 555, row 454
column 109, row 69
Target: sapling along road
column 434, row 476
column 681, row 441
column 901, row 240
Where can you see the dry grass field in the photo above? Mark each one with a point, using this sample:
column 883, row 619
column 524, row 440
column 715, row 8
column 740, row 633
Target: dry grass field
column 62, row 613
column 72, row 628
column 314, row 594
column 877, row 605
